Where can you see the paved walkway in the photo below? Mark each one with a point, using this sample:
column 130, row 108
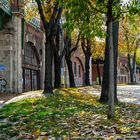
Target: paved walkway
column 12, row 97
column 127, row 93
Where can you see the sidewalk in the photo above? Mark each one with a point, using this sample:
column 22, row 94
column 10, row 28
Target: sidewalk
column 129, row 94
column 6, row 98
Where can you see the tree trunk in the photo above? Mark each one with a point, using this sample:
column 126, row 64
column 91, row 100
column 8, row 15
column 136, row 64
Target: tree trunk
column 111, row 72
column 115, row 45
column 130, row 69
column 70, row 70
column 87, row 68
column 98, row 71
column 57, row 68
column 49, row 28
column 57, row 60
column 87, row 52
column 68, row 59
column 105, row 88
column 134, row 66
column 111, row 111
column 48, row 88
column 104, row 91
column 108, row 92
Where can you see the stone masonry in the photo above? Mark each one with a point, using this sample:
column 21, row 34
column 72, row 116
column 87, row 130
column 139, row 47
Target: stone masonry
column 10, row 56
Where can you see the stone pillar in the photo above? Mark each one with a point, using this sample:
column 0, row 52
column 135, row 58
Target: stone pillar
column 17, row 54
column 10, row 55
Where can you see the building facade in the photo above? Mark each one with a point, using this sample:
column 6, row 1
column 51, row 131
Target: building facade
column 22, row 53
column 21, row 50
column 123, row 73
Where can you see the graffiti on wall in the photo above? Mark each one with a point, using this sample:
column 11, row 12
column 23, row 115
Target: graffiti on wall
column 3, row 84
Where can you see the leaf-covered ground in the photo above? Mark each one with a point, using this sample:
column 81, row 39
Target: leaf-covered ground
column 68, row 114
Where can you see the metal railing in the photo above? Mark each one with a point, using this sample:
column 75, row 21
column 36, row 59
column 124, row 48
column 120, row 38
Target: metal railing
column 6, row 6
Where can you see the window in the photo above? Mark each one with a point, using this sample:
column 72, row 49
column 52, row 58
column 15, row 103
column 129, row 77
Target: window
column 28, row 51
column 27, row 79
column 30, row 55
column 75, row 69
column 79, row 70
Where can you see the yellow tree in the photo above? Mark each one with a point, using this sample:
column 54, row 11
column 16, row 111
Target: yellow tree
column 138, row 57
column 128, row 42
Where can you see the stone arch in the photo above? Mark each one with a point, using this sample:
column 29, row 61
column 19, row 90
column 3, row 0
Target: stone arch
column 31, row 67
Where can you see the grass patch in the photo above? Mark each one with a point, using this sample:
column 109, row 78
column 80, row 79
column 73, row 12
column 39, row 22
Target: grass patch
column 68, row 114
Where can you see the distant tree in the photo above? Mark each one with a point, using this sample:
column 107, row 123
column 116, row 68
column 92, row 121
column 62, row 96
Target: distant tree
column 130, row 37
column 138, row 57
column 91, row 26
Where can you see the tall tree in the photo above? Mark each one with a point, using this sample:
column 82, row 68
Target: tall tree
column 112, row 14
column 118, row 10
column 115, row 45
column 86, row 47
column 50, row 20
column 105, row 86
column 77, row 16
column 81, row 16
column 109, row 25
column 89, row 23
column 59, row 53
column 69, row 50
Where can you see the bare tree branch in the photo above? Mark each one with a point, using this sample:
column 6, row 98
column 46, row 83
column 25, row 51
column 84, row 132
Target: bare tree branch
column 83, row 45
column 77, row 43
column 58, row 16
column 55, row 11
column 40, row 9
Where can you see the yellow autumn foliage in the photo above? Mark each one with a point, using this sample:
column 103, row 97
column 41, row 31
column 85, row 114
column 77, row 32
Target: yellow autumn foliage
column 128, row 35
column 32, row 11
column 98, row 48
